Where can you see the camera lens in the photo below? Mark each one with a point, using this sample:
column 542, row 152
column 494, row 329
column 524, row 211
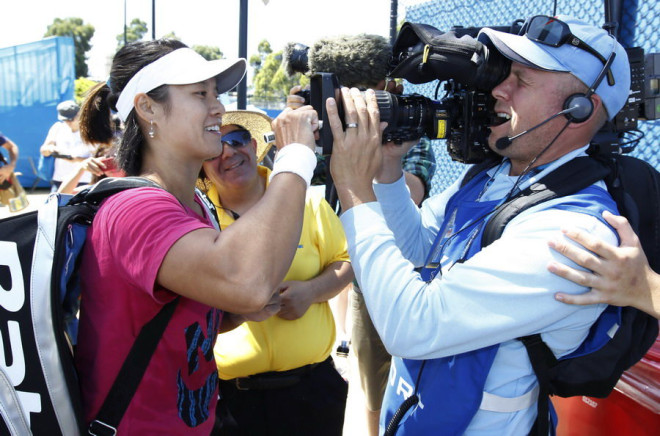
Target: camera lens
column 410, row 117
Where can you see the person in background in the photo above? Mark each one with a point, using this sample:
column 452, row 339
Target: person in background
column 12, row 193
column 7, row 167
column 620, row 276
column 362, row 61
column 151, row 246
column 107, row 134
column 65, row 144
column 102, row 164
column 277, row 376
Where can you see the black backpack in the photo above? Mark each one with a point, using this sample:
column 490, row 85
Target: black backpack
column 39, row 258
column 635, row 186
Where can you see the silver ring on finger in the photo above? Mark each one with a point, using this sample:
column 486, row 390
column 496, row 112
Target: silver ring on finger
column 351, row 126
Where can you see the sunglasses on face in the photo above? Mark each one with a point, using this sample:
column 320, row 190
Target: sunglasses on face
column 555, row 33
column 236, row 139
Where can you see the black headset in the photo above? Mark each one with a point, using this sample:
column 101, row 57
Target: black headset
column 581, row 103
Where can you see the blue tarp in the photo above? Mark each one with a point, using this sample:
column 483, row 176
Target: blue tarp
column 34, row 78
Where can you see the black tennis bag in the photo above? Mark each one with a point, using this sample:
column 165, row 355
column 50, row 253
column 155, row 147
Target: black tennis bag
column 39, row 301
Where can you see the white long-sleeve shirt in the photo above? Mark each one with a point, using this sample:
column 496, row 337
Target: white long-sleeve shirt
column 502, row 293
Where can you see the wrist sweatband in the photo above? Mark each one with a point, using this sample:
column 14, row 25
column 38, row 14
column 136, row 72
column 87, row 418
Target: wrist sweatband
column 2, row 139
column 295, row 158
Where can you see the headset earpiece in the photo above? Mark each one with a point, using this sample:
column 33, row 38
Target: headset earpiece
column 582, row 108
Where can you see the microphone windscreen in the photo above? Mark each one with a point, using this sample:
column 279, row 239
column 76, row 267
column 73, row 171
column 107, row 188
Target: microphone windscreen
column 357, row 60
column 295, row 58
column 503, row 143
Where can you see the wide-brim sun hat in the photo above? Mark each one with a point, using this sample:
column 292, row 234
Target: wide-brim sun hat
column 571, row 59
column 180, row 67
column 257, row 123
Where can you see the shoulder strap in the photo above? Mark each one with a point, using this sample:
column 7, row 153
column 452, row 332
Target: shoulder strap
column 479, row 167
column 542, row 359
column 210, row 208
column 133, row 369
column 131, row 373
column 571, row 177
column 104, row 188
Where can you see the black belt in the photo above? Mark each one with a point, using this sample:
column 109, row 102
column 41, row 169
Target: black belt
column 273, row 379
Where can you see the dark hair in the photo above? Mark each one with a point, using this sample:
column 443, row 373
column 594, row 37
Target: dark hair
column 95, row 127
column 95, row 121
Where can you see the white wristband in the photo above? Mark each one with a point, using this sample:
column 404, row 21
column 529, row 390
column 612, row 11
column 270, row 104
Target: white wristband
column 295, row 158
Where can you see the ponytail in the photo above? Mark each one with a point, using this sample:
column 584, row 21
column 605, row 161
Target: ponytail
column 95, row 120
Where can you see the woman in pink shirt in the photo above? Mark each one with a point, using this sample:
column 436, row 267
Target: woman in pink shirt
column 151, row 245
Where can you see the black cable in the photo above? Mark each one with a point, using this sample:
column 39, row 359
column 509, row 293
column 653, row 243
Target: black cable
column 631, row 144
column 407, row 404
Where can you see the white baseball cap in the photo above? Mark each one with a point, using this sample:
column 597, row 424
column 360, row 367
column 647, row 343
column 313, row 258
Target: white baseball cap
column 180, row 67
column 572, row 59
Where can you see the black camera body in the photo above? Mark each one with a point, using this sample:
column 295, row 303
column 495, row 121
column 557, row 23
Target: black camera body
column 421, row 53
column 470, row 68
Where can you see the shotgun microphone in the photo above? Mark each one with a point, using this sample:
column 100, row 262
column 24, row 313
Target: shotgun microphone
column 506, row 141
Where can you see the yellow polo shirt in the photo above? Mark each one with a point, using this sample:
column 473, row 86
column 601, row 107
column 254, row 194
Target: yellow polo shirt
column 278, row 344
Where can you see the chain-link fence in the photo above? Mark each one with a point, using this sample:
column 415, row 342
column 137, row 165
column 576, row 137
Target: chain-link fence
column 641, row 20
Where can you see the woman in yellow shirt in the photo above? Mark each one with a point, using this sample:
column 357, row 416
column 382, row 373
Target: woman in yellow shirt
column 277, row 376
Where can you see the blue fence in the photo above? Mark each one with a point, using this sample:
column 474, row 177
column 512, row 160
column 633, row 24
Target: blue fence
column 34, row 78
column 638, row 28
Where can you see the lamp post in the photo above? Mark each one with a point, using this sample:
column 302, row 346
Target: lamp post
column 241, row 98
column 153, row 19
column 394, row 5
column 124, row 22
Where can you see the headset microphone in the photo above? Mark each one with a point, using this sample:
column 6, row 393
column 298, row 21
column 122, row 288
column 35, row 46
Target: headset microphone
column 506, row 141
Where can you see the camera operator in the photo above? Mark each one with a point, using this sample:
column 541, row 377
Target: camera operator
column 362, row 61
column 453, row 327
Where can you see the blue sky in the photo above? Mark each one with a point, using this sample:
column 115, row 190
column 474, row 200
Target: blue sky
column 203, row 22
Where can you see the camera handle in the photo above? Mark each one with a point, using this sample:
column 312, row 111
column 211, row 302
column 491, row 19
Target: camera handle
column 323, row 86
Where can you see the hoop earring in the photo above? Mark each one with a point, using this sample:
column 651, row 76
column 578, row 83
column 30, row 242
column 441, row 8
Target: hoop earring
column 152, row 131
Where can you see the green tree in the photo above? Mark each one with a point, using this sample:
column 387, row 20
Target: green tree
column 171, row 35
column 271, row 81
column 82, row 35
column 208, row 52
column 134, row 32
column 257, row 60
column 81, row 86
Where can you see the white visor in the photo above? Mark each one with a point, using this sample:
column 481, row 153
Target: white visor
column 180, row 67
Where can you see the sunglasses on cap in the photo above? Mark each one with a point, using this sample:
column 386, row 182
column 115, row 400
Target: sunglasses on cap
column 555, row 33
column 237, row 138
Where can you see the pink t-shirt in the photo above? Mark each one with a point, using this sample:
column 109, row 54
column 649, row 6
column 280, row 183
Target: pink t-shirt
column 126, row 244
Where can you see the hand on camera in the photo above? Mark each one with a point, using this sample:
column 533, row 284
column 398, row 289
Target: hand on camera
column 357, row 151
column 300, row 126
column 293, row 100
column 394, row 88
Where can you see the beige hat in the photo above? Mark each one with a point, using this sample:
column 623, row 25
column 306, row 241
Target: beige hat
column 257, row 123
